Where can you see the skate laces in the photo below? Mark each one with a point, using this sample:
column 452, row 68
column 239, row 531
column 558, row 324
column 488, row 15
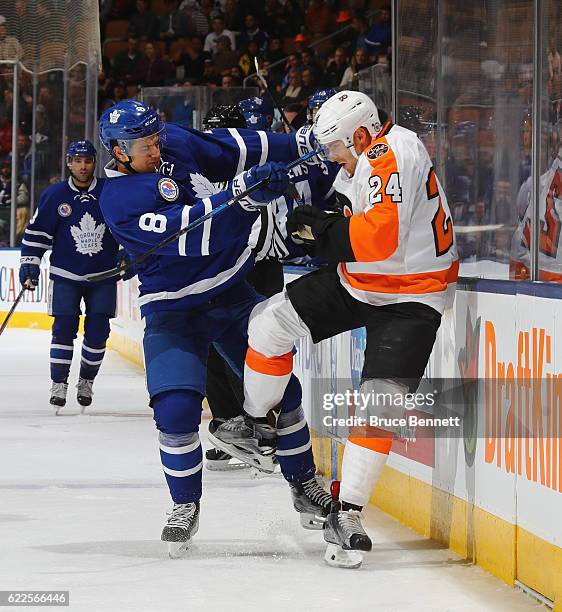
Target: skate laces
column 182, row 515
column 85, row 387
column 237, row 423
column 350, row 521
column 316, row 493
column 58, row 389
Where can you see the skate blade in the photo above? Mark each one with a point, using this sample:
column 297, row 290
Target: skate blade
column 177, row 550
column 312, row 521
column 260, row 462
column 336, row 556
column 225, row 466
column 256, row 474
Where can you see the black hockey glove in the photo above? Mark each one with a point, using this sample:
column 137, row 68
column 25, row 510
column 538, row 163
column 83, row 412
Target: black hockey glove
column 327, row 231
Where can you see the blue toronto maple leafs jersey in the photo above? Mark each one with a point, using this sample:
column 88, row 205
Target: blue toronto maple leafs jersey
column 144, row 209
column 69, row 221
column 315, row 185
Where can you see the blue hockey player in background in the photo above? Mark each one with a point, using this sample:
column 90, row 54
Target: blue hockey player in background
column 68, row 220
column 192, row 291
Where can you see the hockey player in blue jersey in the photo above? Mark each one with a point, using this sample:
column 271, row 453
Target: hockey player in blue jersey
column 68, row 220
column 192, row 291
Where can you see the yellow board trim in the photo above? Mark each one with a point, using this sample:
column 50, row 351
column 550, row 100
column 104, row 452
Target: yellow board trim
column 503, row 549
column 30, row 320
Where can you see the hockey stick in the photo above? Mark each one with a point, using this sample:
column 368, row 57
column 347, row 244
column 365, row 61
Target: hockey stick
column 12, row 309
column 120, row 270
column 270, row 94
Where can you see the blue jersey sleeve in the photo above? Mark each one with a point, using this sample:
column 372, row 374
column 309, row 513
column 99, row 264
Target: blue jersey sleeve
column 153, row 208
column 224, row 153
column 38, row 236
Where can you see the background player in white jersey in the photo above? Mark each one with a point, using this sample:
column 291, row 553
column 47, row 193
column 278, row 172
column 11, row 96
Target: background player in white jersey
column 397, row 268
column 550, row 224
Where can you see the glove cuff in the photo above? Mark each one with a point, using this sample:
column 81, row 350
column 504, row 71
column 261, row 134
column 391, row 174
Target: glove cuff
column 30, row 260
column 239, row 186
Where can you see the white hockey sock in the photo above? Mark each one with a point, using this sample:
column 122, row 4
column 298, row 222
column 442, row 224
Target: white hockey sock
column 360, row 471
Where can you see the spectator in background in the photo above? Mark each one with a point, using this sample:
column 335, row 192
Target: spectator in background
column 271, row 15
column 308, row 61
column 119, row 92
column 193, row 60
column 143, row 24
column 126, row 63
column 24, row 159
column 309, row 83
column 198, row 22
column 336, row 67
column 218, row 30
column 246, row 61
column 233, row 16
column 293, row 63
column 275, row 52
column 22, row 193
column 252, row 33
column 182, row 112
column 153, row 70
column 353, row 38
column 379, row 37
column 318, row 18
column 301, row 43
column 293, row 91
column 10, row 48
column 210, row 74
column 359, row 62
column 5, row 134
column 174, row 24
column 225, row 57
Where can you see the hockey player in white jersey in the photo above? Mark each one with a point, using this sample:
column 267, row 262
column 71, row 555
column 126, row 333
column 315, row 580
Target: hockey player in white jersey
column 550, row 224
column 397, row 266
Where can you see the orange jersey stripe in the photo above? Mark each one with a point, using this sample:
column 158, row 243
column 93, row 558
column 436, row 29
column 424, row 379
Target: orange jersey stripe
column 374, row 234
column 423, row 282
column 273, row 366
column 373, row 438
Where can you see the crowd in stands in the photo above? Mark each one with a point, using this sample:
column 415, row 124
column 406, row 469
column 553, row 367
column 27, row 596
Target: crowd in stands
column 215, row 44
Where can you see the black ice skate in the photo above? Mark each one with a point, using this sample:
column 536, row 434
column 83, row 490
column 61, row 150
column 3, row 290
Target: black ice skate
column 182, row 525
column 58, row 395
column 251, row 440
column 85, row 392
column 219, row 461
column 312, row 502
column 346, row 538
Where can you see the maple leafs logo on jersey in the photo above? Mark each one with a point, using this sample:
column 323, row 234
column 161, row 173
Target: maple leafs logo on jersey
column 89, row 236
column 202, row 186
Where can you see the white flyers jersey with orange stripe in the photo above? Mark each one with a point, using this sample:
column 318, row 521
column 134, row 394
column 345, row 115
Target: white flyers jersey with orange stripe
column 401, row 231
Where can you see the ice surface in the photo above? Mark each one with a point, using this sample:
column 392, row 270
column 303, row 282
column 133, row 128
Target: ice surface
column 83, row 502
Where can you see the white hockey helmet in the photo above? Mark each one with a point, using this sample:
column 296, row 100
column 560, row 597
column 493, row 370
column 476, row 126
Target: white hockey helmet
column 341, row 115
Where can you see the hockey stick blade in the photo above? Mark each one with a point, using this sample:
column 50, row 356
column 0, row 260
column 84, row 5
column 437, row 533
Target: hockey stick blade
column 120, row 270
column 12, row 309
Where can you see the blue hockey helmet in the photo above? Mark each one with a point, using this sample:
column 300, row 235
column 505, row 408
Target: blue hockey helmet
column 316, row 100
column 81, row 148
column 126, row 122
column 257, row 121
column 262, row 106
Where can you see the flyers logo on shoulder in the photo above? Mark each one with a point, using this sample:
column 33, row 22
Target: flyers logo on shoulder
column 377, row 150
column 65, row 210
column 168, row 189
